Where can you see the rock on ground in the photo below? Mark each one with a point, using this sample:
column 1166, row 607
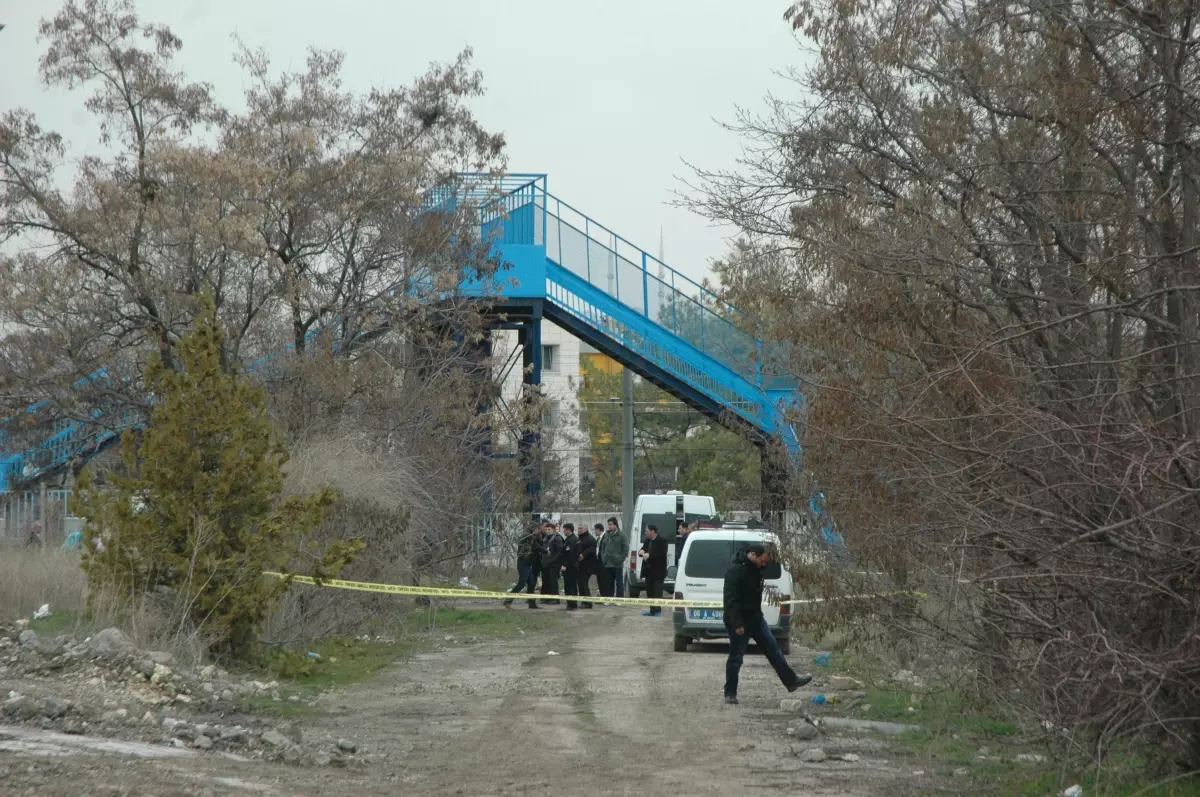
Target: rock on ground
column 803, row 732
column 110, row 643
column 19, row 707
column 276, row 739
column 888, row 728
column 49, row 646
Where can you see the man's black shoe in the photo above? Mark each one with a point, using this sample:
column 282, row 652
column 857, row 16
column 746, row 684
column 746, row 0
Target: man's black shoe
column 534, row 606
column 800, row 681
column 731, row 700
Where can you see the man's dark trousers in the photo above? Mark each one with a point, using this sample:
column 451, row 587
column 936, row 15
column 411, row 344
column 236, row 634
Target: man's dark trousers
column 571, row 585
column 761, row 634
column 550, row 583
column 654, row 588
column 525, row 578
column 612, row 583
column 585, row 589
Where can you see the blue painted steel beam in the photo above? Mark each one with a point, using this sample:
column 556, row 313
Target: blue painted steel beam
column 681, row 389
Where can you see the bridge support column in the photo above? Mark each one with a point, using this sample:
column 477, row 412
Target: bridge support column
column 529, row 450
column 774, row 481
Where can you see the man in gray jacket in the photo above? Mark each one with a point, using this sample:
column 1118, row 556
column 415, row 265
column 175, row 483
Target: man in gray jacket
column 613, row 547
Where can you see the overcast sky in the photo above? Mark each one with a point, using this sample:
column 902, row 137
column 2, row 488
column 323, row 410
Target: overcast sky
column 608, row 98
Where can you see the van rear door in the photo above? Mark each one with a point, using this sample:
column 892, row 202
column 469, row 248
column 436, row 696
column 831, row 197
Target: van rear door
column 703, row 577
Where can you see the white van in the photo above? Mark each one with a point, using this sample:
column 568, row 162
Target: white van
column 707, row 556
column 664, row 511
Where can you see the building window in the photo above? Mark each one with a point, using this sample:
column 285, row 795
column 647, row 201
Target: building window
column 550, row 359
column 550, row 414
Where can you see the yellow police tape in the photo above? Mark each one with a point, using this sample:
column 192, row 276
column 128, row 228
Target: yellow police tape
column 439, row 592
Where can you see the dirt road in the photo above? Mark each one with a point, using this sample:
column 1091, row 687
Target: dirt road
column 615, row 712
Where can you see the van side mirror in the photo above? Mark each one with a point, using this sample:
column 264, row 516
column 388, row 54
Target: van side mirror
column 671, row 571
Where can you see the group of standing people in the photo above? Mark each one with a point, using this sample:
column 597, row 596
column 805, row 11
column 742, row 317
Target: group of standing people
column 558, row 554
column 554, row 552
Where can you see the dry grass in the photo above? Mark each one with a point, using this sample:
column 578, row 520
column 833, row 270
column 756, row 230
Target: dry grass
column 156, row 621
column 381, row 501
column 30, row 577
column 348, row 463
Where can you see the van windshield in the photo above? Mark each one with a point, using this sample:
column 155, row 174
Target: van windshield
column 711, row 558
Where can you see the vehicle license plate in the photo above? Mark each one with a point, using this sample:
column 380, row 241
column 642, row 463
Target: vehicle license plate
column 706, row 614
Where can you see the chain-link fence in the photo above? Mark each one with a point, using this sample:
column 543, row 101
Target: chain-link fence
column 37, row 517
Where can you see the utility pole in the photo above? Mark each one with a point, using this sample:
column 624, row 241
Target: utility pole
column 627, row 497
column 612, row 442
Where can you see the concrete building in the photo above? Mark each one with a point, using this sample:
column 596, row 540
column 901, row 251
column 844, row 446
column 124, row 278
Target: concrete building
column 566, row 444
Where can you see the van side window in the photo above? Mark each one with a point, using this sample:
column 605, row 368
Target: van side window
column 665, row 521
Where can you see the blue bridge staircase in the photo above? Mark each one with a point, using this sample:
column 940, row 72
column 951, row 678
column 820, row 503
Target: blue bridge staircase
column 646, row 315
column 563, row 266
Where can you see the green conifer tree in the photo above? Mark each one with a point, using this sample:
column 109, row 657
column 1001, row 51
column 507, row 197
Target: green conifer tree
column 198, row 506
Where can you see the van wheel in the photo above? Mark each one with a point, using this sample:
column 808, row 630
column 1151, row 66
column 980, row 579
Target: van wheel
column 634, row 592
column 785, row 644
column 681, row 643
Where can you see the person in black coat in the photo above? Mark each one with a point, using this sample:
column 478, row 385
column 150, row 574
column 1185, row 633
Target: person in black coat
column 654, row 568
column 529, row 564
column 744, row 621
column 682, row 530
column 570, row 561
column 552, row 562
column 589, row 565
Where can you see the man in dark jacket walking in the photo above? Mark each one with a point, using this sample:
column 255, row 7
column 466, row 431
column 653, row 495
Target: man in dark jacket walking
column 529, row 564
column 654, row 569
column 744, row 621
column 589, row 565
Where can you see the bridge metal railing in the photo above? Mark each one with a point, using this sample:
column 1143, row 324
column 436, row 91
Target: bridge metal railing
column 639, row 281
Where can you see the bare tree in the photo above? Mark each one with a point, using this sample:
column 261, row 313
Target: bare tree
column 978, row 226
column 89, row 274
column 302, row 211
column 307, row 214
column 339, row 207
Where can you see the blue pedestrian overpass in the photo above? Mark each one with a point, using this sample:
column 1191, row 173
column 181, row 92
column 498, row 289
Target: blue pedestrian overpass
column 563, row 266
